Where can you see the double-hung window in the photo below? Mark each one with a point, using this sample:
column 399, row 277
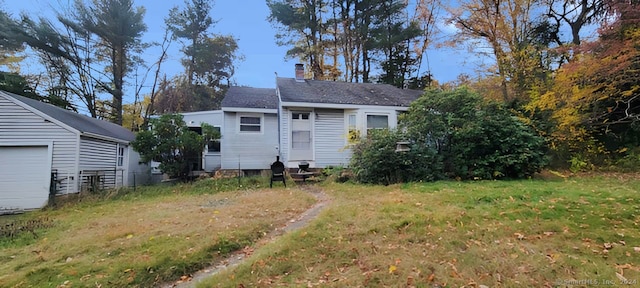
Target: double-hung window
column 353, row 134
column 213, row 146
column 377, row 122
column 250, row 124
column 120, row 158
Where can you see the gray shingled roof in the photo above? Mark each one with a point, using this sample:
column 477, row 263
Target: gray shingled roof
column 333, row 92
column 77, row 121
column 247, row 97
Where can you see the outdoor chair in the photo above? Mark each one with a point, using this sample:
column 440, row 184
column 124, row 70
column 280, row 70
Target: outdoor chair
column 277, row 172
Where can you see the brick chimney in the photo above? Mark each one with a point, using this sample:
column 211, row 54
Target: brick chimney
column 300, row 72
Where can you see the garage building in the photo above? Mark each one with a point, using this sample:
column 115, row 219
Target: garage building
column 46, row 150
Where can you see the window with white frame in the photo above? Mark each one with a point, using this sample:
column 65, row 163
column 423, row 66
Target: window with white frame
column 250, row 124
column 377, row 122
column 120, row 159
column 353, row 134
column 301, row 140
column 213, row 146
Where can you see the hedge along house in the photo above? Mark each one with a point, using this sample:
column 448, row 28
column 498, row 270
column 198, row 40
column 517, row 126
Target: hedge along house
column 250, row 131
column 47, row 150
column 316, row 117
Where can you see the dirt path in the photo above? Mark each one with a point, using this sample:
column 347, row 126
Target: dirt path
column 239, row 256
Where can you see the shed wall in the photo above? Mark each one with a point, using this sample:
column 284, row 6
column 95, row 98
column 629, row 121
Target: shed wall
column 98, row 158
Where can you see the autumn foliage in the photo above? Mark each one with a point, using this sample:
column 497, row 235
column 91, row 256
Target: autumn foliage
column 594, row 99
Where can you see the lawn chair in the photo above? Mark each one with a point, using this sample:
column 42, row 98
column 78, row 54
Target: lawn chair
column 277, row 172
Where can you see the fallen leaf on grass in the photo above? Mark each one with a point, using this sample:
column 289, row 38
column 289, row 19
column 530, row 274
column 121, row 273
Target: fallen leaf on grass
column 636, row 249
column 431, row 277
column 392, row 269
column 410, row 281
column 520, row 236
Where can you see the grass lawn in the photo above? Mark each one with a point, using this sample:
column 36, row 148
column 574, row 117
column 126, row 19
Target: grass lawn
column 576, row 232
column 143, row 238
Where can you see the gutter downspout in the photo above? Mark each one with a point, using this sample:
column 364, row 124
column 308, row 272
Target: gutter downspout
column 279, row 118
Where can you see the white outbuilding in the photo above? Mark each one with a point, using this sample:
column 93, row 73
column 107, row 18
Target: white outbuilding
column 46, row 151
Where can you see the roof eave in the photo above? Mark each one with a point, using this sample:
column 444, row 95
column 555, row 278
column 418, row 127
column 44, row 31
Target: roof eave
column 341, row 106
column 250, row 110
column 103, row 137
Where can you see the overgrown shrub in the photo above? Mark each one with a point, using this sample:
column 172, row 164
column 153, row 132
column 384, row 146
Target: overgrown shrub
column 495, row 145
column 476, row 140
column 452, row 134
column 171, row 143
column 630, row 161
column 375, row 160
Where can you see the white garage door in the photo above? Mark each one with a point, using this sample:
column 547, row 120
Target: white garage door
column 25, row 175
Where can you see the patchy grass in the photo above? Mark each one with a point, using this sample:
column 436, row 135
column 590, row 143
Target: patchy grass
column 145, row 237
column 530, row 233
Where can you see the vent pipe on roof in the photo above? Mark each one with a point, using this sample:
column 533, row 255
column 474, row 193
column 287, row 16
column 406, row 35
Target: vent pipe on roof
column 300, row 72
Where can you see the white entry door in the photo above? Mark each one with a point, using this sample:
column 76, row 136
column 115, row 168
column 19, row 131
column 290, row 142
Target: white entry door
column 301, row 139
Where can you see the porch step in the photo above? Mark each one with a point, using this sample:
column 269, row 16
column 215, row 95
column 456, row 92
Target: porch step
column 302, row 176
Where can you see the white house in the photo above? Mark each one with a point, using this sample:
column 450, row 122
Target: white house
column 47, row 150
column 304, row 120
column 316, row 116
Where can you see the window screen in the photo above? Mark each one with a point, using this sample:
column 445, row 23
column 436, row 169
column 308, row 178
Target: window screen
column 377, row 121
column 250, row 124
column 301, row 140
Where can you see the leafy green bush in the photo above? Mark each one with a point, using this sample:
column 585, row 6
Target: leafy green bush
column 453, row 134
column 630, row 162
column 477, row 140
column 375, row 161
column 171, row 143
column 496, row 145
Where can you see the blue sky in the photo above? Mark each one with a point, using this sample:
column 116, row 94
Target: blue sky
column 247, row 21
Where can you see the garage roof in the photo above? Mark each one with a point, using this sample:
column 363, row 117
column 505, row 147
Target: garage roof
column 82, row 123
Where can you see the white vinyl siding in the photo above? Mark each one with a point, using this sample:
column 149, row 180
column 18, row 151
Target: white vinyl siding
column 330, row 138
column 285, row 132
column 19, row 125
column 249, row 150
column 100, row 157
column 97, row 154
